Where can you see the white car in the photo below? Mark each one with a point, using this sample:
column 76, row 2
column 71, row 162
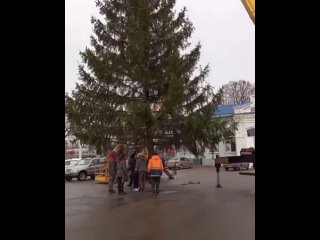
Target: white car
column 84, row 167
column 180, row 163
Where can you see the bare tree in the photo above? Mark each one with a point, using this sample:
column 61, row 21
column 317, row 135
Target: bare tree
column 236, row 92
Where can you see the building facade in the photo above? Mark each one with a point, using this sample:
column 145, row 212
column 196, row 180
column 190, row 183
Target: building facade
column 244, row 137
column 244, row 116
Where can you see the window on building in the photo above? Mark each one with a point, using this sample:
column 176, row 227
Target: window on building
column 230, row 145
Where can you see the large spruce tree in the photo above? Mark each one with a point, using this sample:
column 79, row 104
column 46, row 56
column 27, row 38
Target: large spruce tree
column 140, row 82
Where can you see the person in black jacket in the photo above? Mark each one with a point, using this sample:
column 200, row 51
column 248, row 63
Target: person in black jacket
column 132, row 165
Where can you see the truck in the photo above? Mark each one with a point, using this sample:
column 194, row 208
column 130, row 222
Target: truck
column 247, row 155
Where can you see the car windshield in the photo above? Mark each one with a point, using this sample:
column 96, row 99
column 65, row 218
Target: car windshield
column 73, row 162
column 84, row 162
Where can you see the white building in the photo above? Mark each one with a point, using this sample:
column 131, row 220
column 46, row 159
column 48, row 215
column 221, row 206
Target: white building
column 73, row 146
column 244, row 116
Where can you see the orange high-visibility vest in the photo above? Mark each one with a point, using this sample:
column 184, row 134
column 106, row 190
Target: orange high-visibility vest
column 155, row 163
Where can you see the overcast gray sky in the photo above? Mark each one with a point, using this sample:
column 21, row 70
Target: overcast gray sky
column 223, row 27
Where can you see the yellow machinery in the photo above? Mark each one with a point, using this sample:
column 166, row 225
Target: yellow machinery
column 250, row 7
column 102, row 175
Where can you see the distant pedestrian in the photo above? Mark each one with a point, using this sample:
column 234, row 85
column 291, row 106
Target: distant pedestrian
column 155, row 168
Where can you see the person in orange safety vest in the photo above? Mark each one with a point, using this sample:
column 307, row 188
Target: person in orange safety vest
column 155, row 168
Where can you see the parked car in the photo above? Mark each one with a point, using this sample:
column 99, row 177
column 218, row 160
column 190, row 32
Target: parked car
column 236, row 166
column 84, row 167
column 180, row 163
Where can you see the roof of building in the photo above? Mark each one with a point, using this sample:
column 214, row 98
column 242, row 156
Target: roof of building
column 227, row 110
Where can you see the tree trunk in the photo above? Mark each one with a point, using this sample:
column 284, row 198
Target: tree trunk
column 149, row 140
column 98, row 149
column 150, row 147
column 105, row 148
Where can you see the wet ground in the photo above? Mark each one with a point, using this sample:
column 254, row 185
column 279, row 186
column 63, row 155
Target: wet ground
column 182, row 210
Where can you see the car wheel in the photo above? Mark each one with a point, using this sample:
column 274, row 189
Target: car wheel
column 82, row 176
column 92, row 177
column 227, row 169
column 191, row 166
column 181, row 166
column 69, row 179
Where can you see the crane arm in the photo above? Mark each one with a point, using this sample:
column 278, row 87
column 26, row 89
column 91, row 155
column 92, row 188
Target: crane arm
column 250, row 7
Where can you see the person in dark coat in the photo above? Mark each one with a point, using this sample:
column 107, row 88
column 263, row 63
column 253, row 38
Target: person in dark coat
column 122, row 174
column 132, row 164
column 134, row 175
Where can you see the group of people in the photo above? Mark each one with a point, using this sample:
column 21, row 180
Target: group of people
column 139, row 167
column 137, row 171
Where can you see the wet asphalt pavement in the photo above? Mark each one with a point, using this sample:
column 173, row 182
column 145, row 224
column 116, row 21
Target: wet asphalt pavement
column 182, row 210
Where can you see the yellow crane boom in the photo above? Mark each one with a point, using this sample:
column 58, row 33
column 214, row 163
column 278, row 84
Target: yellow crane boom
column 250, row 7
